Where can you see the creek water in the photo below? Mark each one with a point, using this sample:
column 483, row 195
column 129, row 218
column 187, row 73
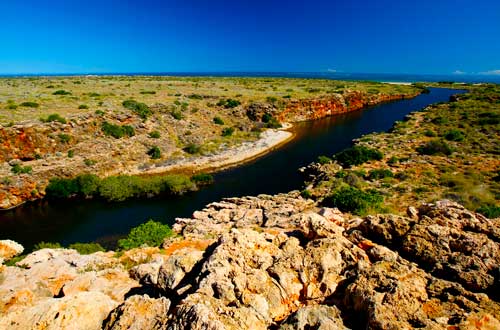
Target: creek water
column 94, row 220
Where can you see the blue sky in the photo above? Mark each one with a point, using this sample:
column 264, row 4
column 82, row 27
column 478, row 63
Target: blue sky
column 379, row 36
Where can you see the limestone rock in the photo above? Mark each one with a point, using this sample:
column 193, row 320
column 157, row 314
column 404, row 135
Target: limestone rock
column 85, row 311
column 318, row 317
column 138, row 313
column 9, row 249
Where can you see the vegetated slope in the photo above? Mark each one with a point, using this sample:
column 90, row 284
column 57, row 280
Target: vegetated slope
column 114, row 125
column 449, row 150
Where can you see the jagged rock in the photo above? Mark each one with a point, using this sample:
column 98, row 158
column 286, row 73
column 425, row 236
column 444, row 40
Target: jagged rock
column 138, row 313
column 318, row 317
column 85, row 311
column 447, row 239
column 398, row 295
column 114, row 283
column 173, row 271
column 147, row 273
column 9, row 249
column 47, row 271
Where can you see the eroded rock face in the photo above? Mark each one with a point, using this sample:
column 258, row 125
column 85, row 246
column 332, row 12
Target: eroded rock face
column 138, row 313
column 85, row 311
column 446, row 239
column 273, row 262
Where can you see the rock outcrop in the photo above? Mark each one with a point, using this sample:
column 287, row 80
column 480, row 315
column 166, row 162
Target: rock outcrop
column 273, row 262
column 9, row 249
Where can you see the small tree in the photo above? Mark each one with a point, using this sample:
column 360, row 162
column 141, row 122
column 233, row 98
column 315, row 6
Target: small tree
column 151, row 233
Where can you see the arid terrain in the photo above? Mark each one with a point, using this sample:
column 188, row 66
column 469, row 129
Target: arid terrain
column 62, row 127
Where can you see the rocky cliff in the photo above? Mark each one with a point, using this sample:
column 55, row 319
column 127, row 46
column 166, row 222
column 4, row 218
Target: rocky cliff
column 300, row 110
column 273, row 262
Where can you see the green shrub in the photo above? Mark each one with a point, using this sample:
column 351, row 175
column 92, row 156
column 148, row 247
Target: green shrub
column 393, row 160
column 141, row 109
column 99, row 112
column 151, row 233
column 195, row 97
column 88, row 184
column 357, row 155
column 148, row 92
column 61, row 188
column 54, row 117
column 489, row 211
column 229, row 103
column 192, row 149
column 351, row 199
column 46, row 245
column 177, row 114
column 271, row 99
column 154, row 135
column 64, row 138
column 435, row 147
column 30, row 104
column 86, row 248
column 218, row 121
column 380, row 174
column 306, row 194
column 89, row 162
column 83, row 106
column 454, row 135
column 18, row 169
column 154, row 152
column 61, row 92
column 117, row 131
column 228, row 131
column 430, row 133
column 11, row 106
column 202, row 179
column 71, row 153
column 324, row 159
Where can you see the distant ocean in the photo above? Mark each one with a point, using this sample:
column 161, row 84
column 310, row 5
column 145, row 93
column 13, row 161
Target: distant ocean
column 381, row 77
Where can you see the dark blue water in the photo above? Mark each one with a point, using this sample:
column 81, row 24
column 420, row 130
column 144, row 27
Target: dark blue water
column 83, row 221
column 382, row 77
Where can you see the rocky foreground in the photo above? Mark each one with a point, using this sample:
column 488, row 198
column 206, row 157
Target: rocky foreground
column 272, row 262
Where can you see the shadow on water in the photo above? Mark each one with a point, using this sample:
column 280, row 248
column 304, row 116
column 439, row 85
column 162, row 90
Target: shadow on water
column 93, row 220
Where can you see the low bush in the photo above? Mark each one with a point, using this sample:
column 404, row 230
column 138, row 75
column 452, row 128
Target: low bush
column 489, row 211
column 117, row 131
column 83, row 106
column 18, row 169
column 435, row 147
column 86, row 248
column 30, row 104
column 228, row 131
column 357, row 155
column 324, row 159
column 46, row 245
column 380, row 174
column 306, row 194
column 177, row 114
column 148, row 92
column 154, row 152
column 64, row 138
column 228, row 103
column 154, row 135
column 202, row 179
column 54, row 117
column 192, row 149
column 61, row 92
column 454, row 135
column 151, row 233
column 141, row 109
column 351, row 199
column 218, row 121
column 430, row 133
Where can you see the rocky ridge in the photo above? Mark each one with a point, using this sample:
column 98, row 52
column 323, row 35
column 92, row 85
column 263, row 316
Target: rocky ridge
column 273, row 262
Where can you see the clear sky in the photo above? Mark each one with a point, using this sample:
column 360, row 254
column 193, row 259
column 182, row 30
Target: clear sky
column 378, row 36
